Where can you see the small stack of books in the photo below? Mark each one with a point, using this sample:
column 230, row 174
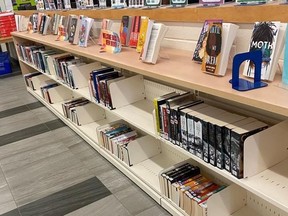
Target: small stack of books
column 99, row 82
column 187, row 188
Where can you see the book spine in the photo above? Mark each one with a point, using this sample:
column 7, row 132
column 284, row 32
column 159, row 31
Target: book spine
column 190, row 134
column 183, row 129
column 198, row 142
column 227, row 148
column 205, row 140
column 219, row 147
column 212, row 144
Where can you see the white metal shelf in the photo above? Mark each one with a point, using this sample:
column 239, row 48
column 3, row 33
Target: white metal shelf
column 140, row 115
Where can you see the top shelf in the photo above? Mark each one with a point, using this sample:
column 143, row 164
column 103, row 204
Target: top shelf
column 192, row 13
column 178, row 70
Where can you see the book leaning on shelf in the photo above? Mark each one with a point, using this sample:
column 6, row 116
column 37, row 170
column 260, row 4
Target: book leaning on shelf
column 220, row 37
column 269, row 38
column 184, row 185
column 154, row 36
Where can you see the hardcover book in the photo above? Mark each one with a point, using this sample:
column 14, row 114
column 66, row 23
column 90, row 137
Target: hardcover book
column 212, row 54
column 264, row 38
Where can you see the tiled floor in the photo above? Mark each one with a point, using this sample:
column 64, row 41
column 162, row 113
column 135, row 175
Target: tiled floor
column 47, row 169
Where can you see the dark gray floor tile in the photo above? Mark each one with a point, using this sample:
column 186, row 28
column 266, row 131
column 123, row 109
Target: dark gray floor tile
column 67, row 200
column 13, row 111
column 108, row 206
column 23, row 134
column 14, row 212
column 34, row 105
column 55, row 124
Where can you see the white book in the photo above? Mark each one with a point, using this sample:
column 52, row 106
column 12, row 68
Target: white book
column 154, row 41
column 46, row 25
column 86, row 25
column 229, row 32
column 67, row 4
column 265, row 38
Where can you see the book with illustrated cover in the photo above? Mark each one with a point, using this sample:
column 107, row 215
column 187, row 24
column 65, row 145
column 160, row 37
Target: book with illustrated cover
column 212, row 54
column 264, row 37
column 106, row 24
column 146, row 24
column 202, row 41
column 136, row 22
column 72, row 28
column 85, row 31
column 211, row 2
column 125, row 29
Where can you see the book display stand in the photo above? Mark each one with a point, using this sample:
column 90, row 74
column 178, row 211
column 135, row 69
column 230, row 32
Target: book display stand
column 262, row 191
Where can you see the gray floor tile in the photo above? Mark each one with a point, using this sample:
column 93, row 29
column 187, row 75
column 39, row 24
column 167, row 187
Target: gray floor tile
column 108, row 206
column 23, row 134
column 2, row 179
column 114, row 180
column 55, row 124
column 7, row 202
column 68, row 200
column 18, row 122
column 14, row 212
column 134, row 199
column 155, row 211
column 46, row 176
column 43, row 114
column 13, row 111
column 35, row 105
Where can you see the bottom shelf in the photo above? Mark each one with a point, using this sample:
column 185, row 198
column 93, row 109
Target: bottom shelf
column 144, row 174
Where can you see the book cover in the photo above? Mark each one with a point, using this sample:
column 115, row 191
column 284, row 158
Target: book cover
column 202, row 41
column 142, row 34
column 285, row 66
column 251, row 1
column 211, row 2
column 125, row 30
column 110, row 42
column 72, row 29
column 136, row 22
column 105, row 25
column 212, row 54
column 177, row 3
column 152, row 3
column 264, row 38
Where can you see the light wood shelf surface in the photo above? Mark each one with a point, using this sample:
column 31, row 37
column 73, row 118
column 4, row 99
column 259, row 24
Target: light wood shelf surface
column 192, row 13
column 178, row 70
column 6, row 39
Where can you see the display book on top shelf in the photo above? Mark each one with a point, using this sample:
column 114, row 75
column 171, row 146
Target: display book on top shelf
column 140, row 115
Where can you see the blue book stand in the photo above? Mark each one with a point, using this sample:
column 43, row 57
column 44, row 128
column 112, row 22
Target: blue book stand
column 242, row 84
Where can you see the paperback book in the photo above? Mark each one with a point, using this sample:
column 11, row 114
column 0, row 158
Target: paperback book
column 211, row 2
column 84, row 33
column 212, row 54
column 264, row 37
column 125, row 29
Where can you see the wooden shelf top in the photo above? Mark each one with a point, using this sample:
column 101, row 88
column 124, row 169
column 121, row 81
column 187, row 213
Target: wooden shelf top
column 178, row 70
column 6, row 40
column 192, row 13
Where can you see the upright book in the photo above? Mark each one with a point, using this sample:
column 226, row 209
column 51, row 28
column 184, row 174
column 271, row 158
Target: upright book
column 264, row 38
column 212, row 52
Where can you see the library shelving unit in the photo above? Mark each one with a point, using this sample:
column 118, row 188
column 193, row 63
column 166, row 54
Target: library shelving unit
column 263, row 191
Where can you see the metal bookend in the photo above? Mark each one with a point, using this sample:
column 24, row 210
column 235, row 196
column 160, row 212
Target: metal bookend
column 242, row 84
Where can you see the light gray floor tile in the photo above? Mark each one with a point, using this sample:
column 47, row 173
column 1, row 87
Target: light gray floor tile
column 114, row 180
column 46, row 176
column 155, row 211
column 43, row 114
column 134, row 199
column 108, row 206
column 18, row 122
column 2, row 178
column 6, row 200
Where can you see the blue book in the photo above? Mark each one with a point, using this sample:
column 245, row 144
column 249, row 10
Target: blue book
column 285, row 66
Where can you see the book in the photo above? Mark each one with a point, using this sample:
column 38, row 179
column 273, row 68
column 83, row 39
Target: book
column 211, row 2
column 152, row 43
column 264, row 37
column 252, row 2
column 118, row 4
column 152, row 3
column 106, row 24
column 238, row 137
column 125, row 30
column 135, row 29
column 212, row 53
column 84, row 32
column 146, row 26
column 202, row 41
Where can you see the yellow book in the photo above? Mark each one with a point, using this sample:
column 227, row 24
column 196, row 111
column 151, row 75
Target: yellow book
column 142, row 33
